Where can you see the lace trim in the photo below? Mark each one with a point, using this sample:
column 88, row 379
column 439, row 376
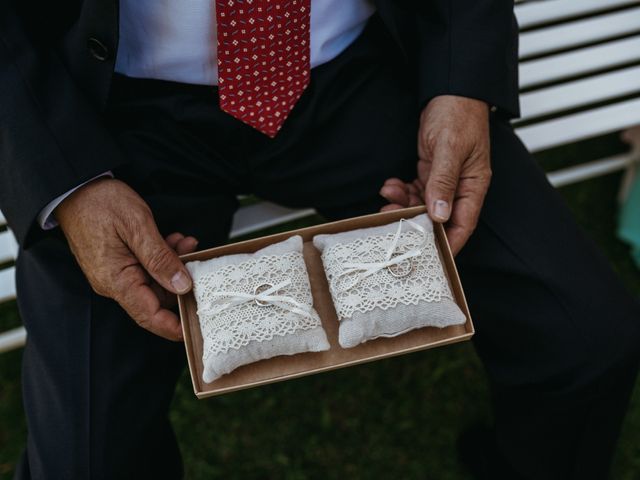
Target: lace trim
column 426, row 280
column 253, row 321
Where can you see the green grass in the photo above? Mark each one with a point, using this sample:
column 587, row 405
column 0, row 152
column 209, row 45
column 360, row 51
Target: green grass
column 396, row 418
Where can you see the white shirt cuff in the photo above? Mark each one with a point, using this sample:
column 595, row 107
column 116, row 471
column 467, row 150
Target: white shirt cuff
column 46, row 220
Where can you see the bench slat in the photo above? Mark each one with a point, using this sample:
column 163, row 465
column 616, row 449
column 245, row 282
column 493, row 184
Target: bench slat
column 12, row 339
column 7, row 284
column 536, row 13
column 262, row 215
column 585, row 171
column 579, row 93
column 579, row 62
column 8, row 247
column 579, row 126
column 573, row 34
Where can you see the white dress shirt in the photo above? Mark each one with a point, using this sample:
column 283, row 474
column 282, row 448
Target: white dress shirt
column 175, row 40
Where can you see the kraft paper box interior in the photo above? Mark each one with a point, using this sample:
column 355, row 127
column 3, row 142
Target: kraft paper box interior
column 287, row 367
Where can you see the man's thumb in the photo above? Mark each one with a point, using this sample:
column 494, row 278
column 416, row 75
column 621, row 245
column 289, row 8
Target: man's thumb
column 441, row 188
column 162, row 263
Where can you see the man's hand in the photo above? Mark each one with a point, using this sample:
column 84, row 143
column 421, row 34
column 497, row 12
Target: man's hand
column 116, row 242
column 454, row 167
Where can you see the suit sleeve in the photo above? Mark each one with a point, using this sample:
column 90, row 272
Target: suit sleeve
column 51, row 136
column 468, row 48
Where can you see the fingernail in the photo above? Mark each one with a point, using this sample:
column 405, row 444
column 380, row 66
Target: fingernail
column 385, row 190
column 441, row 210
column 180, row 281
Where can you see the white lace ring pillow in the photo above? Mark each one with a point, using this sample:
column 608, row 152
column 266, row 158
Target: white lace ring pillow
column 387, row 280
column 255, row 306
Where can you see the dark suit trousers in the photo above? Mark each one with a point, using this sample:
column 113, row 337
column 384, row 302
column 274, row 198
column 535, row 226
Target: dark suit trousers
column 556, row 331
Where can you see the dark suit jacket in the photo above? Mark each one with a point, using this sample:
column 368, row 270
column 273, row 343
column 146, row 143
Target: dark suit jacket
column 57, row 58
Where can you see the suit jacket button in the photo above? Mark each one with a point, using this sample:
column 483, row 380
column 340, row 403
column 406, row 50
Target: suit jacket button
column 98, row 50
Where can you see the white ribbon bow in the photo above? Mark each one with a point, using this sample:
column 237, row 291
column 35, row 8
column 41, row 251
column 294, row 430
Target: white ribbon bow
column 367, row 269
column 231, row 299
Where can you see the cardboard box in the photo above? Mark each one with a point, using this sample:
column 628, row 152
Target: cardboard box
column 287, row 367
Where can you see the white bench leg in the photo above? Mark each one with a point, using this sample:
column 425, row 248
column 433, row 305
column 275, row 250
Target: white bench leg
column 632, row 137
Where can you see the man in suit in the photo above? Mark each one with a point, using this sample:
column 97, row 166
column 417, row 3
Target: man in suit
column 121, row 144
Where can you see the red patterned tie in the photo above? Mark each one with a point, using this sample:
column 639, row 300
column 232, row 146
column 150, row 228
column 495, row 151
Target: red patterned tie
column 263, row 59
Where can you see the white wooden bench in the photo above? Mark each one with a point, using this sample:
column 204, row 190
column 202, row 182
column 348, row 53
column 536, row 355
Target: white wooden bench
column 580, row 78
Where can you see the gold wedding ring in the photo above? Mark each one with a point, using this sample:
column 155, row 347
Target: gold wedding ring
column 402, row 269
column 258, row 290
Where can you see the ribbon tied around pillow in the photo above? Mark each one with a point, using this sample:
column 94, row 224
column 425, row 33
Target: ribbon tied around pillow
column 261, row 298
column 365, row 269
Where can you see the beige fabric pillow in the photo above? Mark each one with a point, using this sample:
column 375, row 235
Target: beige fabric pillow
column 375, row 297
column 238, row 328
